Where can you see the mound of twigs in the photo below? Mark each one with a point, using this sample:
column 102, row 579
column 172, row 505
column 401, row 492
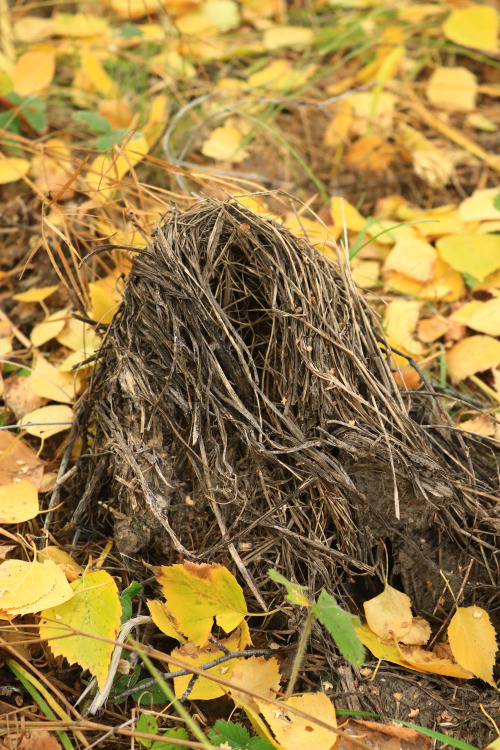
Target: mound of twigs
column 244, row 405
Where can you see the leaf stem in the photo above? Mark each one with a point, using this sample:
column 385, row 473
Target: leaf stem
column 301, row 648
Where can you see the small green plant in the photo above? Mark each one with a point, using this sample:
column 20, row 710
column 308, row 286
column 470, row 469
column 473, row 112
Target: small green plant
column 147, row 724
column 97, row 124
column 236, row 737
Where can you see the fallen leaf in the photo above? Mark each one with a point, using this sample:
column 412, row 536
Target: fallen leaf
column 195, row 594
column 33, row 72
column 473, row 641
column 18, row 501
column 12, row 168
column 412, row 257
column 486, row 317
column 295, row 37
column 224, row 145
column 431, row 329
column 475, row 254
column 344, row 214
column 474, row 26
column 38, row 740
column 48, row 382
column 481, row 425
column 36, row 294
column 79, row 337
column 61, row 558
column 452, row 88
column 49, row 328
column 98, row 77
column 82, row 25
column 480, row 206
column 47, row 421
column 365, row 273
column 95, row 611
column 418, row 634
column 371, row 153
column 400, row 321
column 258, row 674
column 164, row 620
column 26, row 587
column 18, row 461
column 295, row 733
column 389, row 614
column 472, row 354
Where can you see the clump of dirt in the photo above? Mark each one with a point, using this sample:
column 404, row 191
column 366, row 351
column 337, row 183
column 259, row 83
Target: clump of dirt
column 243, row 406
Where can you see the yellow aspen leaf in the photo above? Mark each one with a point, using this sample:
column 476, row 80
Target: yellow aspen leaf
column 132, row 9
column 279, row 76
column 379, row 648
column 475, row 254
column 473, row 641
column 197, row 656
column 478, row 121
column 47, row 421
column 18, row 501
column 480, row 206
column 79, row 337
column 297, row 37
column 133, row 153
column 199, row 24
column 48, row 382
column 74, row 360
column 81, row 25
column 369, row 109
column 475, row 26
column 439, row 222
column 96, row 74
column 224, row 13
column 431, row 329
column 59, row 593
column 389, row 614
column 472, row 354
column 164, row 620
column 452, row 88
column 365, row 273
column 49, row 328
column 12, row 169
column 371, row 153
column 31, row 29
column 61, row 558
column 481, row 425
column 101, row 177
column 95, row 610
column 338, row 128
column 412, row 257
column 258, row 674
column 345, row 214
column 429, row 162
column 389, row 231
column 224, row 145
column 400, row 321
column 195, row 594
column 428, row 661
column 24, row 584
column 18, row 461
column 37, row 294
column 447, row 284
column 295, row 733
column 486, row 317
column 33, row 72
column 418, row 634
column 104, row 304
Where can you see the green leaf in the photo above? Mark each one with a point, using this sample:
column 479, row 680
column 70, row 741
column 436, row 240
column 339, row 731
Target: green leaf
column 148, row 725
column 129, row 31
column 470, row 280
column 33, row 109
column 95, row 122
column 235, row 735
column 294, row 590
column 257, row 743
column 340, row 624
column 496, row 202
column 126, row 597
column 179, row 733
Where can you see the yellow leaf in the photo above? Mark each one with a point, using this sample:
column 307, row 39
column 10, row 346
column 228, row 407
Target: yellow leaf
column 12, row 169
column 195, row 594
column 25, row 586
column 429, row 162
column 471, row 355
column 224, row 145
column 480, row 206
column 31, row 29
column 164, row 620
column 60, row 557
column 412, row 257
column 205, row 689
column 104, row 304
column 400, row 321
column 427, row 661
column 486, row 318
column 475, row 26
column 48, row 328
column 296, row 37
column 37, row 294
column 18, row 502
column 481, row 425
column 95, row 610
column 431, row 329
column 389, row 614
column 452, row 88
column 47, row 421
column 96, row 74
column 18, row 461
column 258, row 674
column 33, row 72
column 224, row 13
column 375, row 110
column 132, row 9
column 280, row 76
column 365, row 273
column 379, row 649
column 81, row 25
column 473, row 641
column 48, row 382
column 79, row 337
column 391, row 232
column 133, row 153
column 447, row 284
column 475, row 254
column 439, row 222
column 296, row 733
column 418, row 634
column 343, row 213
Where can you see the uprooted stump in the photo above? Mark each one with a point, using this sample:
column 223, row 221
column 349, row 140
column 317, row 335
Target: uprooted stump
column 244, row 405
